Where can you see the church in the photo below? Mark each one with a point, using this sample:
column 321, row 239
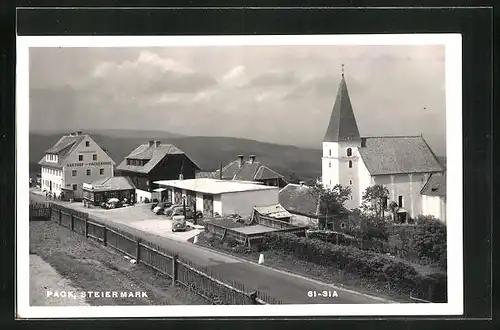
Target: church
column 402, row 164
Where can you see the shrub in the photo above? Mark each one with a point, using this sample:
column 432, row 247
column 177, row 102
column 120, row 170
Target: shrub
column 429, row 239
column 366, row 264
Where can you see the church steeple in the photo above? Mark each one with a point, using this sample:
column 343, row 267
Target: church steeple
column 342, row 126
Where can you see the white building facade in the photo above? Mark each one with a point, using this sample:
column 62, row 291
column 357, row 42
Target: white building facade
column 75, row 159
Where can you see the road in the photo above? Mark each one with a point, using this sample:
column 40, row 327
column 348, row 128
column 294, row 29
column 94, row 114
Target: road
column 286, row 287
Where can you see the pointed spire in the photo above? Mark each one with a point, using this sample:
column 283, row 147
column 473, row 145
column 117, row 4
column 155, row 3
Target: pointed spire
column 342, row 126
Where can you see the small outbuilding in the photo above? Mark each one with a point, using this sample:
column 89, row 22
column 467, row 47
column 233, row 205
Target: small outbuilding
column 223, row 197
column 275, row 211
column 112, row 187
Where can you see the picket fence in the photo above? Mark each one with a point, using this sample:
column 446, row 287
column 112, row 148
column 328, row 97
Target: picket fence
column 181, row 271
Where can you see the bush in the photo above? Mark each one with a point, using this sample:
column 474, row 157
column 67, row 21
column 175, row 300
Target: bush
column 366, row 264
column 429, row 239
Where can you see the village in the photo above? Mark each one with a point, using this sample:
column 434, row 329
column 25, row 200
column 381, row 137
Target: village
column 357, row 232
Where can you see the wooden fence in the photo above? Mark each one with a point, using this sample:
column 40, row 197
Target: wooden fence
column 39, row 211
column 181, row 271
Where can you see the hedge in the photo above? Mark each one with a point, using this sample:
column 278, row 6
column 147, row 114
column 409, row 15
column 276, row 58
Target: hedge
column 366, row 264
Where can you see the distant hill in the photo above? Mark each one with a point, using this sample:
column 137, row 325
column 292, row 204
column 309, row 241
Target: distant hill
column 207, row 152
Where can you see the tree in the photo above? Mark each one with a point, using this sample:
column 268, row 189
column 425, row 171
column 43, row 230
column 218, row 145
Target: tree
column 331, row 200
column 375, row 200
column 365, row 226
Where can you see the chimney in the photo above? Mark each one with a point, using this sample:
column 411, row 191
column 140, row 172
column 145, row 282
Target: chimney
column 220, row 171
column 240, row 158
column 181, row 177
column 252, row 159
column 157, row 143
column 363, row 142
column 301, row 183
column 151, row 142
column 79, row 132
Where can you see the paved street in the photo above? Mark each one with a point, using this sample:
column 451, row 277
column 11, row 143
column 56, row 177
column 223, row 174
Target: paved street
column 282, row 286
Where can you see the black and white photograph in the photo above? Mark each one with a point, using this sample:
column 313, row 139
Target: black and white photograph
column 282, row 175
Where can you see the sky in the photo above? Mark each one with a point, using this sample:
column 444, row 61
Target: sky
column 278, row 94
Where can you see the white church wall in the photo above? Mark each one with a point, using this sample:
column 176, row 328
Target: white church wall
column 435, row 206
column 364, row 179
column 406, row 185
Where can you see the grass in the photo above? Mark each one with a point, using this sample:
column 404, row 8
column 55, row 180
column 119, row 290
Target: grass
column 91, row 266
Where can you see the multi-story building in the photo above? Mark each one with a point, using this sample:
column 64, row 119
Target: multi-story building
column 75, row 159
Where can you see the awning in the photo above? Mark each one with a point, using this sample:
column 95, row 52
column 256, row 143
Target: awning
column 159, row 189
column 401, row 210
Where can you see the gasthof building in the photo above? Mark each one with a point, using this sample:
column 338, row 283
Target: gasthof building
column 75, row 159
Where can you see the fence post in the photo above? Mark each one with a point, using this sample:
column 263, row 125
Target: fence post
column 72, row 222
column 138, row 250
column 105, row 235
column 174, row 269
column 86, row 227
column 60, row 217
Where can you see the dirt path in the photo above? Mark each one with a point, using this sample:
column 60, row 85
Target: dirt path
column 72, row 263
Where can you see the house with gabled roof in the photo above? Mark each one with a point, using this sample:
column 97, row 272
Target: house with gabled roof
column 247, row 170
column 75, row 159
column 402, row 164
column 152, row 162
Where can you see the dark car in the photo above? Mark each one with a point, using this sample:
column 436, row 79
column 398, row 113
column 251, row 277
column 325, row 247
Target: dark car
column 160, row 208
column 179, row 224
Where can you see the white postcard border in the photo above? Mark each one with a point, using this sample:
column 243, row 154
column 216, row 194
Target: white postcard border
column 453, row 68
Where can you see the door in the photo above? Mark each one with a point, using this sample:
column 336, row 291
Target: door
column 208, row 205
column 50, row 186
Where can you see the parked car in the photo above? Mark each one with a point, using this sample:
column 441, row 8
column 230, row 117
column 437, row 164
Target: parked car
column 179, row 223
column 160, row 208
column 168, row 210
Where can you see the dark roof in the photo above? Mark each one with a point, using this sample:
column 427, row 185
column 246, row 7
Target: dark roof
column 63, row 148
column 342, row 126
column 113, row 183
column 247, row 172
column 155, row 153
column 435, row 186
column 398, row 155
column 298, row 199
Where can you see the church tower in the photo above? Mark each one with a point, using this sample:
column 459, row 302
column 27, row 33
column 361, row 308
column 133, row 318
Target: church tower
column 340, row 147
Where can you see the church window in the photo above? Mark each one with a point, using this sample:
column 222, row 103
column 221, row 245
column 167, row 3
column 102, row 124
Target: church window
column 350, row 164
column 349, row 152
column 330, row 152
column 342, row 225
column 330, row 182
column 350, row 181
column 330, row 164
column 400, row 201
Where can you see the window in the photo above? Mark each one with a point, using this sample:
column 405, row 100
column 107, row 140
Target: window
column 330, row 152
column 330, row 182
column 349, row 152
column 350, row 164
column 87, row 143
column 88, row 171
column 75, row 187
column 350, row 181
column 73, row 173
column 400, row 201
column 330, row 164
column 80, row 158
column 101, row 171
column 342, row 225
column 94, row 157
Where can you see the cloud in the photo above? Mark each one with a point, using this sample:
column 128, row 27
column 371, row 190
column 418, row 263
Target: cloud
column 234, row 73
column 274, row 78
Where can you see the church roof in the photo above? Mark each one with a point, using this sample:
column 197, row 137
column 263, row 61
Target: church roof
column 435, row 186
column 342, row 126
column 398, row 155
